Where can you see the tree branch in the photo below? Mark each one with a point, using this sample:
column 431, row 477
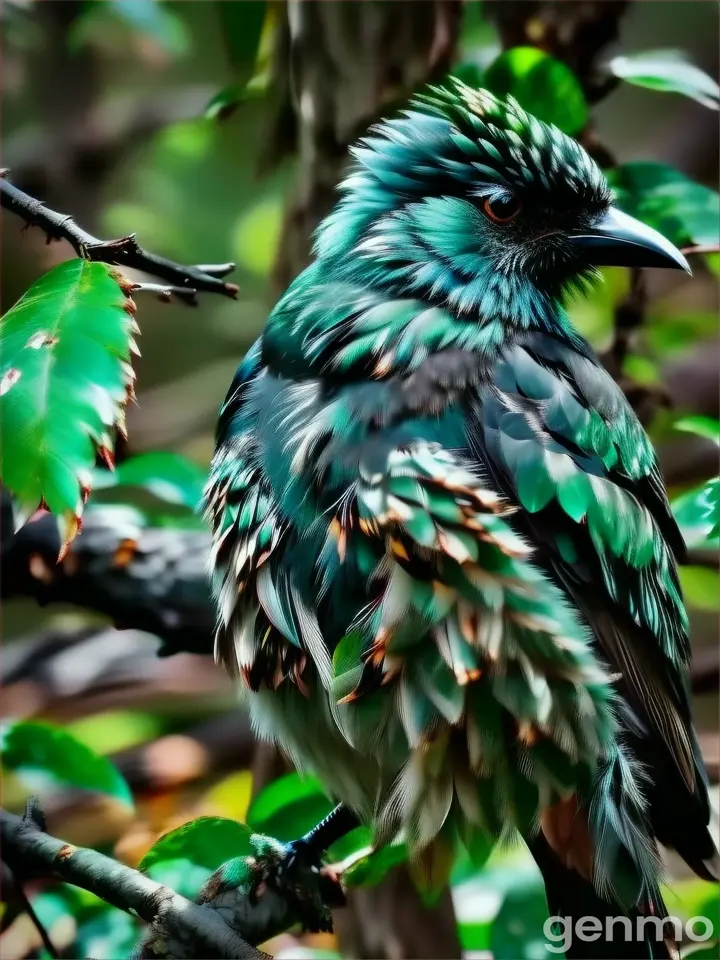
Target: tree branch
column 123, row 252
column 198, row 928
column 144, row 577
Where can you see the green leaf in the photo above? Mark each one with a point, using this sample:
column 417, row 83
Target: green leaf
column 113, row 730
column 49, row 757
column 226, row 102
column 242, row 28
column 701, row 587
column 701, row 426
column 685, row 212
column 371, row 869
column 64, row 380
column 475, row 937
column 697, row 513
column 544, row 86
column 256, row 236
column 517, row 933
column 702, row 951
column 168, row 476
column 641, row 369
column 669, row 71
column 184, row 858
column 289, row 807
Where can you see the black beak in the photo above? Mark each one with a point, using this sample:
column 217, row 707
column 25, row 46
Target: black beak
column 618, row 240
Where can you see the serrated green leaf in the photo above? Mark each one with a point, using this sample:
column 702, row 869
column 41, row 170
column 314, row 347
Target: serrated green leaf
column 668, row 71
column 544, row 86
column 184, row 858
column 47, row 756
column 64, row 381
column 707, row 427
column 685, row 212
column 168, row 476
column 289, row 807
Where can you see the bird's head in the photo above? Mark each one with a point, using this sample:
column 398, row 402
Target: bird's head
column 466, row 198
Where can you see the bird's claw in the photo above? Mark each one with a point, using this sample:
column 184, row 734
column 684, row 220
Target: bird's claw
column 295, row 872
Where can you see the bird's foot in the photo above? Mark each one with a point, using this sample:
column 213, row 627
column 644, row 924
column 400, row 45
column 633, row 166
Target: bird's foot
column 297, row 874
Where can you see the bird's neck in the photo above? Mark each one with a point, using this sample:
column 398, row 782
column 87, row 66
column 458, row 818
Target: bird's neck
column 355, row 320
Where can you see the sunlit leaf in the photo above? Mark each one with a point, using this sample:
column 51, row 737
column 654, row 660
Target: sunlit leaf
column 169, row 476
column 685, row 212
column 229, row 797
column 47, row 757
column 65, row 377
column 676, row 330
column 289, row 807
column 701, row 587
column 257, row 235
column 114, row 730
column 374, row 867
column 706, row 427
column 710, row 950
column 544, row 86
column 641, row 369
column 669, row 71
column 184, row 858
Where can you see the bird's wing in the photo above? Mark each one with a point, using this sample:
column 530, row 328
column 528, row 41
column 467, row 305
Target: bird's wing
column 499, row 694
column 249, row 535
column 562, row 442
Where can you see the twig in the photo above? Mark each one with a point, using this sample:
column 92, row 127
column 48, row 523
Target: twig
column 701, row 248
column 19, row 892
column 629, row 318
column 29, row 850
column 165, row 292
column 124, row 252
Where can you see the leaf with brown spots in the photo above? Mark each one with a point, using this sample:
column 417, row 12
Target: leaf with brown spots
column 65, row 377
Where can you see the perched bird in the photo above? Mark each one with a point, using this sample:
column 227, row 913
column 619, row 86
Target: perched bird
column 444, row 559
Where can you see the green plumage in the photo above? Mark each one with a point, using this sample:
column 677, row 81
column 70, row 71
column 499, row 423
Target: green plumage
column 445, row 562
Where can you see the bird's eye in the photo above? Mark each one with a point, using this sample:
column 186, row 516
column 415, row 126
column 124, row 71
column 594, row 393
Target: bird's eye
column 502, row 209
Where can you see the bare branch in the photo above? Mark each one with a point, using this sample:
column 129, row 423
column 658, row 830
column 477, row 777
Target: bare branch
column 123, row 252
column 202, row 930
column 165, row 292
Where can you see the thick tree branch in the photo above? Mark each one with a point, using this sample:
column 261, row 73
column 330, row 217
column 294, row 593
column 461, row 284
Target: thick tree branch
column 144, row 577
column 123, row 252
column 202, row 931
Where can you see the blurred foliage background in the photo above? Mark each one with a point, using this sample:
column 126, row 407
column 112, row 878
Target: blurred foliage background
column 174, row 121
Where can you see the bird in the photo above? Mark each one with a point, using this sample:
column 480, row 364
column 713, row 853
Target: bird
column 444, row 561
